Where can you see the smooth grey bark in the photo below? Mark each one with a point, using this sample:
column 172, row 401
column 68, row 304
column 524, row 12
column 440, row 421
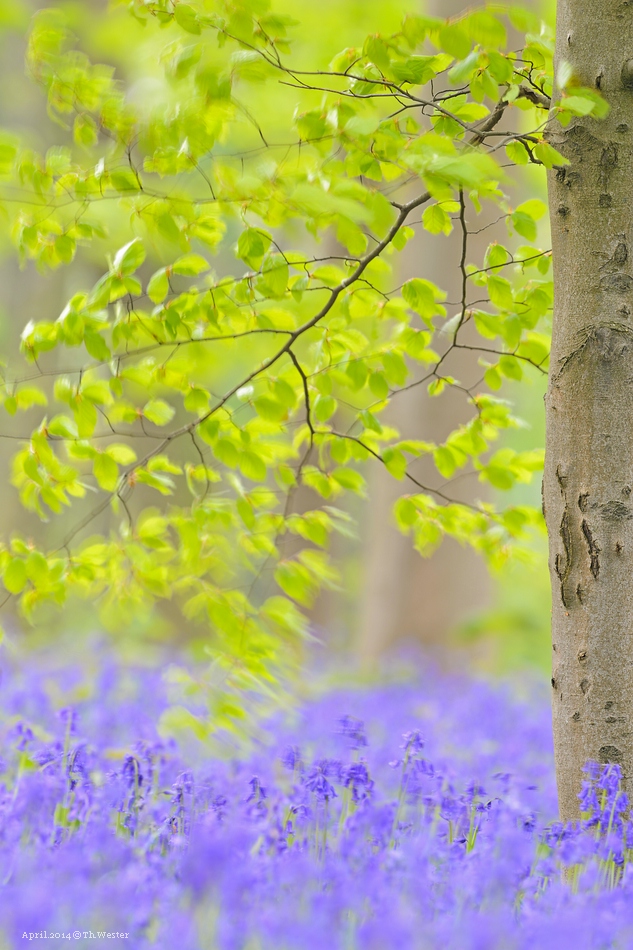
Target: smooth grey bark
column 588, row 481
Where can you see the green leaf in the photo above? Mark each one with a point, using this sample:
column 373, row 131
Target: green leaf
column 534, row 207
column 186, row 18
column 123, row 454
column 454, row 41
column 485, row 28
column 396, row 370
column 158, row 411
column 462, row 72
column 85, row 418
column 151, row 525
column 62, row 426
column 436, row 220
column 324, row 407
column 158, row 286
column 196, row 400
column 294, row 580
column 501, row 68
column 493, row 377
column 29, row 396
column 511, row 367
column 190, row 265
column 351, row 480
column 548, row 155
column 252, row 244
column 270, row 409
column 577, row 105
column 524, row 225
column 379, row 385
column 517, row 153
column 97, row 392
column 161, row 483
column 85, row 130
column 395, row 462
column 498, row 476
column 96, row 347
column 124, row 181
column 226, row 452
column 500, row 291
column 420, row 69
column 284, row 392
column 128, row 258
column 252, row 466
column 274, row 279
column 37, row 569
column 422, row 296
column 406, row 513
column 105, row 471
column 14, row 577
column 445, row 461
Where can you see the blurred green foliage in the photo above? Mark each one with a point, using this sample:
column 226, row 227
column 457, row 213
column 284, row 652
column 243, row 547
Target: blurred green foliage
column 245, row 188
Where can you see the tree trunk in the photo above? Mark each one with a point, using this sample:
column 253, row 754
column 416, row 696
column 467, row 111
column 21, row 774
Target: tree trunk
column 588, row 477
column 406, row 597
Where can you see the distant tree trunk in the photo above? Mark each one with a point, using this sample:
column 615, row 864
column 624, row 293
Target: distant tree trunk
column 588, row 483
column 405, row 596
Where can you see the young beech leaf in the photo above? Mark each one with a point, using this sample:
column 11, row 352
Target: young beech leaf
column 96, row 347
column 422, row 296
column 406, row 513
column 351, row 480
column 37, row 569
column 158, row 411
column 158, row 286
column 128, row 258
column 517, row 153
column 436, row 220
column 252, row 244
column 106, row 471
column 14, row 577
column 226, row 452
column 252, row 466
column 294, row 579
column 324, row 407
column 270, row 409
column 29, row 396
column 186, row 18
column 395, row 462
column 123, row 454
column 190, row 265
column 454, row 41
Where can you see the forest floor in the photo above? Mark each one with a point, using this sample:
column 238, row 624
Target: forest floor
column 416, row 813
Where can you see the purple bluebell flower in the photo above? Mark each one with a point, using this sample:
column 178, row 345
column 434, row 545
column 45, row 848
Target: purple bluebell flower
column 257, row 792
column 317, row 782
column 413, row 742
column 291, row 758
column 132, row 773
column 169, row 840
column 68, row 716
column 357, row 778
column 353, row 730
column 23, row 733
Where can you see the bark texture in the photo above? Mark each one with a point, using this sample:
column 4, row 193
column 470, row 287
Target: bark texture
column 588, row 482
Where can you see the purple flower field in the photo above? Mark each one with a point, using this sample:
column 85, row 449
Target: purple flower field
column 413, row 815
